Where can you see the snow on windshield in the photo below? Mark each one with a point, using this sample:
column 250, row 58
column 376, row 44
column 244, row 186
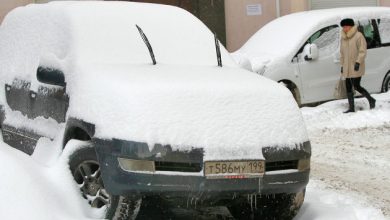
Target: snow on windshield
column 76, row 33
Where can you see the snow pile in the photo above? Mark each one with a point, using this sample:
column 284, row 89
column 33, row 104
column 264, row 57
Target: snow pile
column 326, row 204
column 185, row 100
column 32, row 191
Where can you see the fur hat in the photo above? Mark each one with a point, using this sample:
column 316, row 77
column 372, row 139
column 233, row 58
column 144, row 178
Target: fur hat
column 347, row 22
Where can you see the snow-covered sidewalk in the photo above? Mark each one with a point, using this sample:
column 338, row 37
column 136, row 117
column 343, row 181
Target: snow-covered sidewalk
column 351, row 152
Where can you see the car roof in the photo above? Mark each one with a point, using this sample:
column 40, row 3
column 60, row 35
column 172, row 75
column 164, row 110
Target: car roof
column 104, row 32
column 283, row 36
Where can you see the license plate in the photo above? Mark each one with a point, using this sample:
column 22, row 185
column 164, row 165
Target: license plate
column 233, row 169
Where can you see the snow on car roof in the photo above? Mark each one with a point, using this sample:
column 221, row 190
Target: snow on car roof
column 284, row 36
column 104, row 32
column 185, row 100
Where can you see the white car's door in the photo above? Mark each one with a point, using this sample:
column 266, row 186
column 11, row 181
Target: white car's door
column 319, row 76
column 377, row 55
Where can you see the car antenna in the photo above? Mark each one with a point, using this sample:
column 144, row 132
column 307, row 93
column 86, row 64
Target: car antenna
column 146, row 41
column 219, row 59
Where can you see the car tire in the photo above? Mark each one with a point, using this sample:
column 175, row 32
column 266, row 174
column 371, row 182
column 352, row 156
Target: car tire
column 85, row 169
column 294, row 91
column 386, row 83
column 268, row 207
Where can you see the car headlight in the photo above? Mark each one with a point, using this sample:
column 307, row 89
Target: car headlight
column 136, row 165
column 304, row 164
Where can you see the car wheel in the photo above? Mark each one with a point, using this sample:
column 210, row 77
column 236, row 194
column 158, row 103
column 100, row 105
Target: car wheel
column 386, row 83
column 86, row 172
column 294, row 91
column 268, row 207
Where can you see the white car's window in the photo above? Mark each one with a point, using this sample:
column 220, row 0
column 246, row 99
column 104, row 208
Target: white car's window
column 327, row 40
column 367, row 29
column 384, row 30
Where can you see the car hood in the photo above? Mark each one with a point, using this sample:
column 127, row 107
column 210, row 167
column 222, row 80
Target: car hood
column 229, row 112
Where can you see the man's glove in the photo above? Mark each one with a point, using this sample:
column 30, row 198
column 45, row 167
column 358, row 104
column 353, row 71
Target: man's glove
column 357, row 65
column 341, row 69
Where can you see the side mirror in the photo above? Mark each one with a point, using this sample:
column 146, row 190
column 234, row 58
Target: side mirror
column 310, row 52
column 51, row 76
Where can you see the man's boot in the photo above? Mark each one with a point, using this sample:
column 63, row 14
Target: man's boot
column 370, row 99
column 351, row 103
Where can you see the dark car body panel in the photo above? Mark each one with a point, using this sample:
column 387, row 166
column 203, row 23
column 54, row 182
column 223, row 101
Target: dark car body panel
column 121, row 182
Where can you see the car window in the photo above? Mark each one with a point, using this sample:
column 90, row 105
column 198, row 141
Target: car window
column 327, row 40
column 367, row 29
column 384, row 30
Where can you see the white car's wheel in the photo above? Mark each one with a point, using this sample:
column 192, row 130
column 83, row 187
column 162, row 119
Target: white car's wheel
column 386, row 83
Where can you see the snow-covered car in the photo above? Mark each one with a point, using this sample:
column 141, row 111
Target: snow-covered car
column 302, row 51
column 156, row 107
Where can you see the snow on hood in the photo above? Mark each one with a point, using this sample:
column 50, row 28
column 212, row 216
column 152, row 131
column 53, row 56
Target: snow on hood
column 185, row 100
column 281, row 38
column 229, row 112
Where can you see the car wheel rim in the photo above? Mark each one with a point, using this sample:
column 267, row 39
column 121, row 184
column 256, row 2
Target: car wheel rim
column 88, row 177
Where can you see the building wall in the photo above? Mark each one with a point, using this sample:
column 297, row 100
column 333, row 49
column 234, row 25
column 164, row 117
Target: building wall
column 384, row 3
column 240, row 26
column 8, row 5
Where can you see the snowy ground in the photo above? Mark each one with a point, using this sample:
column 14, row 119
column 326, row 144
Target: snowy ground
column 351, row 152
column 350, row 171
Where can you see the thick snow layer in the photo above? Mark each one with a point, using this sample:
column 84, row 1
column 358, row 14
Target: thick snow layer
column 196, row 107
column 41, row 126
column 322, row 203
column 281, row 39
column 185, row 100
column 65, row 34
column 29, row 190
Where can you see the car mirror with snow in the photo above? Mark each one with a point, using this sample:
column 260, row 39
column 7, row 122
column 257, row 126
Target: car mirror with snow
column 51, row 76
column 310, row 52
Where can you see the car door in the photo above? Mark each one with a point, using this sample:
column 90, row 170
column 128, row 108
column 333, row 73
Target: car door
column 319, row 76
column 33, row 113
column 376, row 59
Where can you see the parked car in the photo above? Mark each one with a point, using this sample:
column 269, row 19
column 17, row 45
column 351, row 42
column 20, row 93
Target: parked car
column 301, row 50
column 156, row 106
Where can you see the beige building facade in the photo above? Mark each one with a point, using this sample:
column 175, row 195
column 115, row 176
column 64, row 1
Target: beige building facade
column 8, row 5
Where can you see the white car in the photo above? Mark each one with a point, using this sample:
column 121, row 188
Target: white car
column 157, row 108
column 302, row 51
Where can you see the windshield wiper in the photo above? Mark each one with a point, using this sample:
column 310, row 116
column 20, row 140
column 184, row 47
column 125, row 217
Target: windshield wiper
column 147, row 44
column 219, row 59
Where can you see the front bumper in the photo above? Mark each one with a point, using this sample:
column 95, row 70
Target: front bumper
column 120, row 182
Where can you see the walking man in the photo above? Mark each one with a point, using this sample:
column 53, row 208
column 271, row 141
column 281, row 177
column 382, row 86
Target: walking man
column 353, row 50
